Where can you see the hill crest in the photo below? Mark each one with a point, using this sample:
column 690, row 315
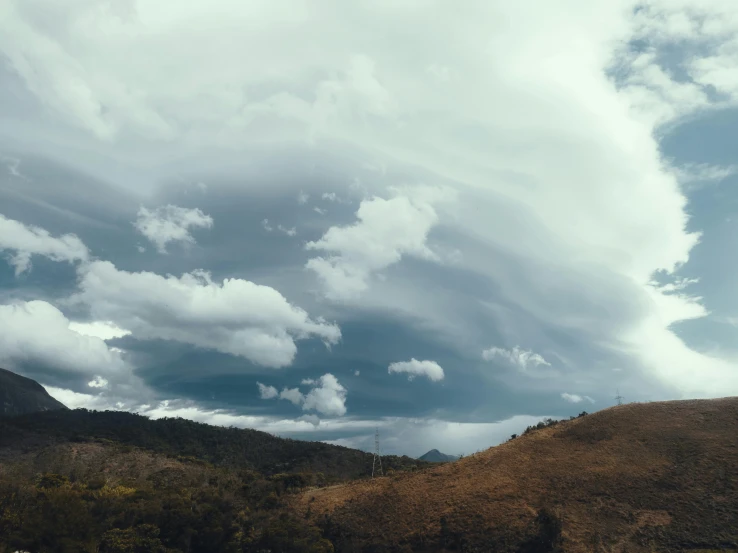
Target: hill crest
column 628, row 478
column 20, row 395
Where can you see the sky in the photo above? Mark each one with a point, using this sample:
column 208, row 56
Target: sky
column 321, row 218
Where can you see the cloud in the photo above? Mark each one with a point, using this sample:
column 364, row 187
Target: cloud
column 517, row 357
column 235, row 316
column 328, row 398
column 170, row 223
column 288, row 231
column 385, row 231
column 267, row 392
column 693, row 176
column 574, row 398
column 98, row 382
column 327, row 395
column 37, row 333
column 27, row 241
column 557, row 191
column 332, row 197
column 293, row 395
column 312, row 419
column 105, row 330
column 413, row 368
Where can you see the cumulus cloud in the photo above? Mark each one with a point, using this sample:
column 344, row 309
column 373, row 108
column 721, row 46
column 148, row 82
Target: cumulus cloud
column 293, row 395
column 26, row 241
column 327, row 395
column 98, row 382
column 575, row 398
column 37, row 333
column 517, row 357
column 413, row 368
column 170, row 223
column 385, row 231
column 267, row 392
column 235, row 316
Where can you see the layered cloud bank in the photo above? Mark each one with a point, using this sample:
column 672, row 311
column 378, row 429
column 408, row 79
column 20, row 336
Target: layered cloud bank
column 496, row 188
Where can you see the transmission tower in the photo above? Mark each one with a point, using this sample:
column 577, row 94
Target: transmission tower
column 377, row 462
column 619, row 398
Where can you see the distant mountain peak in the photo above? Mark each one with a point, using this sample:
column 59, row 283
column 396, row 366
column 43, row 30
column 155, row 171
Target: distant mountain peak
column 435, row 456
column 20, row 395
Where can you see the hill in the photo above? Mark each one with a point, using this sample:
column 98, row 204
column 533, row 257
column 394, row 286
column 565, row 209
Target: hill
column 435, row 456
column 112, row 482
column 636, row 478
column 175, row 437
column 20, row 395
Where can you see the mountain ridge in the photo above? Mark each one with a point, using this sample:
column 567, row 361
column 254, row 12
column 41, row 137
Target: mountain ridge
column 659, row 476
column 20, row 395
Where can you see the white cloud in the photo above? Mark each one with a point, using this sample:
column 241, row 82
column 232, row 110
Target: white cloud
column 170, row 223
column 302, row 198
column 575, row 398
column 27, row 241
column 105, row 330
column 293, row 395
column 235, row 316
column 413, row 368
column 557, row 190
column 319, row 210
column 308, row 381
column 312, row 419
column 357, row 372
column 288, row 231
column 37, row 333
column 333, row 197
column 327, row 396
column 518, row 357
column 693, row 176
column 98, row 382
column 385, row 231
column 267, row 392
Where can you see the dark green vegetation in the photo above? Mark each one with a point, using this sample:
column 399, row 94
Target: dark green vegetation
column 19, row 395
column 229, row 447
column 86, row 481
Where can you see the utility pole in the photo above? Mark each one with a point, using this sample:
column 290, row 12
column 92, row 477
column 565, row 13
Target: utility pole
column 619, row 398
column 377, row 461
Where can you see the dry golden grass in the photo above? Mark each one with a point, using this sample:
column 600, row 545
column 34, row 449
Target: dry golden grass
column 637, row 477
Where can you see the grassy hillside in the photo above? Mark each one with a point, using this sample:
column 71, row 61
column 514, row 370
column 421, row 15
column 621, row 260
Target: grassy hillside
column 637, row 477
